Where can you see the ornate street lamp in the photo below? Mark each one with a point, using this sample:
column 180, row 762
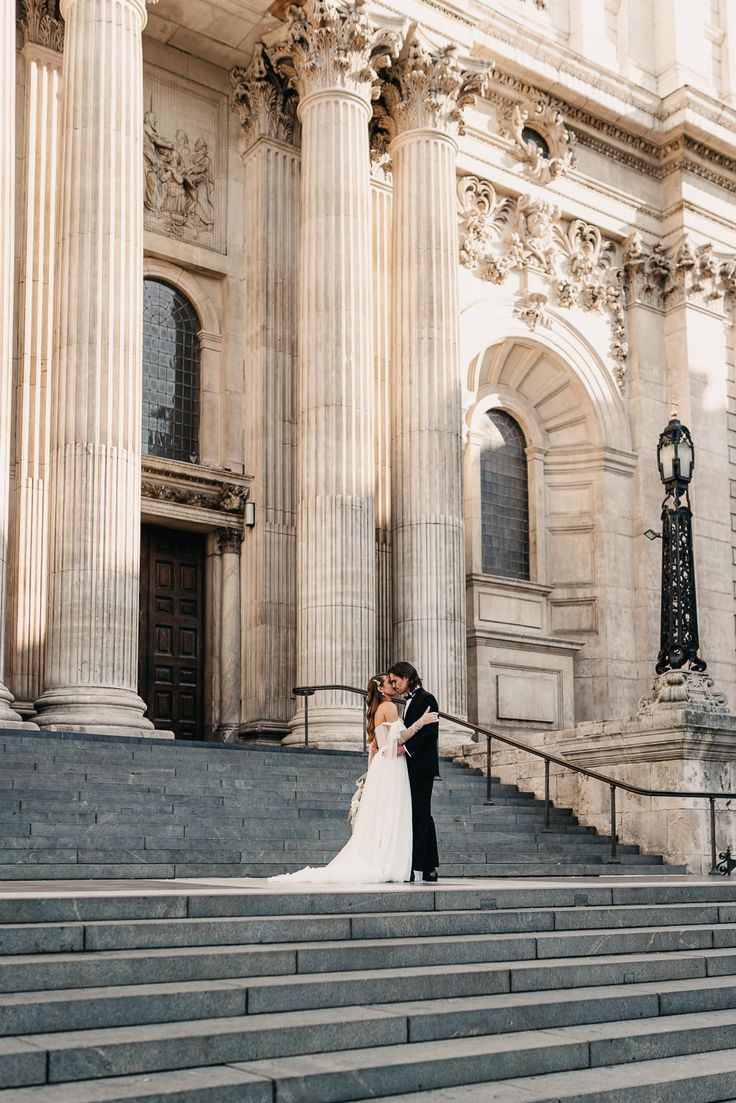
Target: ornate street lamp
column 678, row 640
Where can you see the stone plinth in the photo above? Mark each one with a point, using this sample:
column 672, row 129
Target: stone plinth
column 672, row 748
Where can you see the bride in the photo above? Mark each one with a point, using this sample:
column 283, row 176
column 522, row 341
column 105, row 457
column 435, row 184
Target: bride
column 380, row 847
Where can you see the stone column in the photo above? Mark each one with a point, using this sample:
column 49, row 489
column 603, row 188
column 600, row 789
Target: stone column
column 267, row 111
column 8, row 716
column 228, row 545
column 381, row 203
column 92, row 636
column 327, row 57
column 424, row 92
column 44, row 37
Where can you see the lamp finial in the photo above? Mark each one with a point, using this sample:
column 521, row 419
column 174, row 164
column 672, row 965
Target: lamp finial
column 674, row 406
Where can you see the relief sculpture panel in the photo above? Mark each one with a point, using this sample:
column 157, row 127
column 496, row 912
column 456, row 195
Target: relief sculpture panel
column 184, row 160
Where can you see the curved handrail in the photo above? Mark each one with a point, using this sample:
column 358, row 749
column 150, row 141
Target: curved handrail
column 613, row 783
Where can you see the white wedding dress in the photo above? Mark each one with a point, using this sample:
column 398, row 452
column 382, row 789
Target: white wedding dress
column 380, row 847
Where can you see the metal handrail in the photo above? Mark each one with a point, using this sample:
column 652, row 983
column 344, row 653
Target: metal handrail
column 613, row 783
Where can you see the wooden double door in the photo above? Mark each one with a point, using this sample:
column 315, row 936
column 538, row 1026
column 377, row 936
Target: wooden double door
column 172, row 629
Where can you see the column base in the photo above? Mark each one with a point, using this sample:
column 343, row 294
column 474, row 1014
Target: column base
column 338, row 729
column 9, row 718
column 97, row 711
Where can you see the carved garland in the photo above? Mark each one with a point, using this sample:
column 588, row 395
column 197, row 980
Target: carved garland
column 573, row 258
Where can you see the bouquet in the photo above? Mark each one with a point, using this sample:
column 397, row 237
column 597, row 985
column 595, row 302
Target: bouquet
column 355, row 802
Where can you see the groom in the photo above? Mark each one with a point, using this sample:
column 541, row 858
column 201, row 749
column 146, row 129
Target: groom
column 423, row 767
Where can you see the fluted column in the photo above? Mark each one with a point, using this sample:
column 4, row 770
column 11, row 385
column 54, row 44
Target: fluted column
column 228, row 545
column 424, row 91
column 35, row 336
column 91, row 646
column 267, row 111
column 328, row 56
column 8, row 716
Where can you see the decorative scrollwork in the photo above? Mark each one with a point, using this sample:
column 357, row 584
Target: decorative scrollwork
column 39, row 22
column 572, row 257
column 727, row 863
column 543, row 161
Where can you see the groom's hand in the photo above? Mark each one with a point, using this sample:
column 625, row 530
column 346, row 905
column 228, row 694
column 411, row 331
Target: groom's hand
column 400, row 749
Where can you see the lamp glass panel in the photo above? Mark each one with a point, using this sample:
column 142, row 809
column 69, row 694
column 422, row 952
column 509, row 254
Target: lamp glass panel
column 685, row 456
column 667, row 460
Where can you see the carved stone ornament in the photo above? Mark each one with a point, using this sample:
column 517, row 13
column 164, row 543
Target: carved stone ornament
column 264, row 102
column 331, row 44
column 423, row 87
column 660, row 276
column 179, row 185
column 683, row 689
column 498, row 234
column 39, row 22
column 545, row 117
column 532, row 310
column 229, row 540
column 185, row 488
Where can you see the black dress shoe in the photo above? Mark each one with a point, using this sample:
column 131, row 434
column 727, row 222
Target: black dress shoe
column 430, row 875
column 412, row 877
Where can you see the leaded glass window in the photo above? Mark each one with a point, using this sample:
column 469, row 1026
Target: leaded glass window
column 504, row 497
column 170, row 373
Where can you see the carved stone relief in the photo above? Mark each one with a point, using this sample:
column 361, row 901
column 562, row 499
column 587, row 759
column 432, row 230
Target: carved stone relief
column 184, row 167
column 519, row 121
column 39, row 22
column 575, row 262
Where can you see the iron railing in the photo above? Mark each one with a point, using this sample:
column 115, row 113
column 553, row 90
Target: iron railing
column 613, row 783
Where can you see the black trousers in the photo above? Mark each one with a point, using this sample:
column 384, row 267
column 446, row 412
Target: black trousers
column 424, row 847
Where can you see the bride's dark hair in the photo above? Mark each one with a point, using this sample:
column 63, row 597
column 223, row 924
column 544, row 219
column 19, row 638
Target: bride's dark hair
column 373, row 698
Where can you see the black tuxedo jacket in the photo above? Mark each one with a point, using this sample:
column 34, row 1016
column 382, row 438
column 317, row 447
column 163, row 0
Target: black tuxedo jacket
column 423, row 758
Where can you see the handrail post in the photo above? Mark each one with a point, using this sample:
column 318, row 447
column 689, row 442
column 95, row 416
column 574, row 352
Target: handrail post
column 546, row 795
column 713, row 864
column 613, row 860
column 489, row 741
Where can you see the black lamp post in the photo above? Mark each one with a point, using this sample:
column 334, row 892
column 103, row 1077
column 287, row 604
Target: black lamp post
column 678, row 640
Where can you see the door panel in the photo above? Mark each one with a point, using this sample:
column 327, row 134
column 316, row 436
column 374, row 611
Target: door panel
column 171, row 658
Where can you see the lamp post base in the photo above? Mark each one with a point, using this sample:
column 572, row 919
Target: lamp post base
column 679, row 689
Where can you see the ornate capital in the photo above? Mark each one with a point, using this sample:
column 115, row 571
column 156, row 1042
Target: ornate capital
column 39, row 21
column 425, row 88
column 331, row 45
column 665, row 277
column 229, row 540
column 264, row 102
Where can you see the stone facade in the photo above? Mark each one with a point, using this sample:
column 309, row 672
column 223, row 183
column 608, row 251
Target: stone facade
column 392, row 234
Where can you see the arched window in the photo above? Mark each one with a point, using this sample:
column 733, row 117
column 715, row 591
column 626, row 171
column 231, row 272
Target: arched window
column 504, row 498
column 170, row 373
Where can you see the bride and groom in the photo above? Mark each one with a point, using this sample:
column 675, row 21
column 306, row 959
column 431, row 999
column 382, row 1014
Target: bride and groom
column 394, row 836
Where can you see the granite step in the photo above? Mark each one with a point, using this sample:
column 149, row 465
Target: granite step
column 34, row 972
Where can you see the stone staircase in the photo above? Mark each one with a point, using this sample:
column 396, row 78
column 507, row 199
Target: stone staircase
column 100, row 807
column 474, row 992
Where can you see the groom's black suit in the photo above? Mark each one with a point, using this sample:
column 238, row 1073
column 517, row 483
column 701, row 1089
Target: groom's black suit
column 423, row 766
